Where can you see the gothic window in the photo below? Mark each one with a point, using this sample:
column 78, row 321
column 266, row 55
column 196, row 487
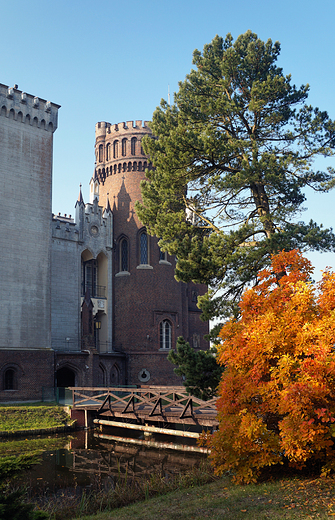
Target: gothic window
column 124, row 255
column 101, row 152
column 165, row 334
column 116, row 149
column 144, row 248
column 124, row 147
column 9, row 382
column 108, row 152
column 133, row 145
column 90, row 278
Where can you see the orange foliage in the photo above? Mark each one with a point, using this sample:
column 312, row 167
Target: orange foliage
column 277, row 395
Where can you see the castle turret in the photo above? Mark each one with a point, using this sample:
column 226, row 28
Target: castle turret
column 151, row 309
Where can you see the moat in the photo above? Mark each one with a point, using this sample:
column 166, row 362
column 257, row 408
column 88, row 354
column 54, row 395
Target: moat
column 84, row 461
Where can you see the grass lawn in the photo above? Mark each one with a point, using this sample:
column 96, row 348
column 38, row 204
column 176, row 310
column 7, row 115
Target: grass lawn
column 13, row 418
column 283, row 499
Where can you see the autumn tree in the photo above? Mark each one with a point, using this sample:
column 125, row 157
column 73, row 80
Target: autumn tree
column 277, row 394
column 232, row 157
column 199, row 368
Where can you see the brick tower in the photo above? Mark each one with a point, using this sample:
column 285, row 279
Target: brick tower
column 151, row 309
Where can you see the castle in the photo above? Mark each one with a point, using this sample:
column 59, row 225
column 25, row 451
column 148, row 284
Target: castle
column 90, row 300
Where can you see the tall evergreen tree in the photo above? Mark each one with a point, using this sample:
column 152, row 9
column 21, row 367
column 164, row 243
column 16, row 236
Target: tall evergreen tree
column 232, row 157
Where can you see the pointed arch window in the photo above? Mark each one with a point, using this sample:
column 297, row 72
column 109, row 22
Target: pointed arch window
column 124, row 255
column 144, row 250
column 165, row 334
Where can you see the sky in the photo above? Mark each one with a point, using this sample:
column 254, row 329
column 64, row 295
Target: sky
column 114, row 61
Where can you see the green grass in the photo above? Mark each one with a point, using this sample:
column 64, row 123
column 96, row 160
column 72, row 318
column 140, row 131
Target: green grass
column 291, row 499
column 13, row 418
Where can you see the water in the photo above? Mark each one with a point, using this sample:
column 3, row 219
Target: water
column 91, row 460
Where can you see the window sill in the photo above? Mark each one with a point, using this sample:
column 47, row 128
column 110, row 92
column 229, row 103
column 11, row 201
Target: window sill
column 164, row 350
column 144, row 266
column 164, row 262
column 122, row 273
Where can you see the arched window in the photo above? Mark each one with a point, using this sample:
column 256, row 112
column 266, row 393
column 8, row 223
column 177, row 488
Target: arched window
column 90, row 278
column 108, row 152
column 116, row 149
column 9, row 382
column 124, row 255
column 124, row 147
column 144, row 248
column 165, row 334
column 101, row 152
column 133, row 146
column 129, row 167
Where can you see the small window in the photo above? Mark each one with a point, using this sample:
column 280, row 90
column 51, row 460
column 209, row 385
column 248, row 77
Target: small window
column 144, row 248
column 101, row 152
column 124, row 147
column 108, row 153
column 162, row 255
column 9, row 379
column 196, row 340
column 133, row 145
column 165, row 334
column 194, row 296
column 116, row 149
column 124, row 255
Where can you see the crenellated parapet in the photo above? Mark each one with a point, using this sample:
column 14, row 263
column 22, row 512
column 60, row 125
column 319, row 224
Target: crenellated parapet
column 25, row 108
column 118, row 148
column 103, row 128
column 93, row 226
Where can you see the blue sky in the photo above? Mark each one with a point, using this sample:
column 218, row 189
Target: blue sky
column 113, row 61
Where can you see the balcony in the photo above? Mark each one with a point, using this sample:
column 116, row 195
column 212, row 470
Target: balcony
column 97, row 291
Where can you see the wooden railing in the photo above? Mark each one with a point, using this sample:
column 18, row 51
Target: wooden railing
column 173, row 404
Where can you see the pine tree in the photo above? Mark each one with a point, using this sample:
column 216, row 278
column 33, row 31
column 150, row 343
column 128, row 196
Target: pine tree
column 232, row 157
column 199, row 368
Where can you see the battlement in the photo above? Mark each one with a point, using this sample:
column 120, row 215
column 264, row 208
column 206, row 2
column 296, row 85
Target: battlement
column 28, row 109
column 103, row 128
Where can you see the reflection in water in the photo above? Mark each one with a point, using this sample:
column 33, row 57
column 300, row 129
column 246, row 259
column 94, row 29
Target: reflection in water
column 89, row 460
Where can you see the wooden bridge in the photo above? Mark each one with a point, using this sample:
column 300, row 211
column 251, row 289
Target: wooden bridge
column 147, row 404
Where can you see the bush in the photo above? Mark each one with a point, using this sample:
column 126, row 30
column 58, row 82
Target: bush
column 277, row 394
